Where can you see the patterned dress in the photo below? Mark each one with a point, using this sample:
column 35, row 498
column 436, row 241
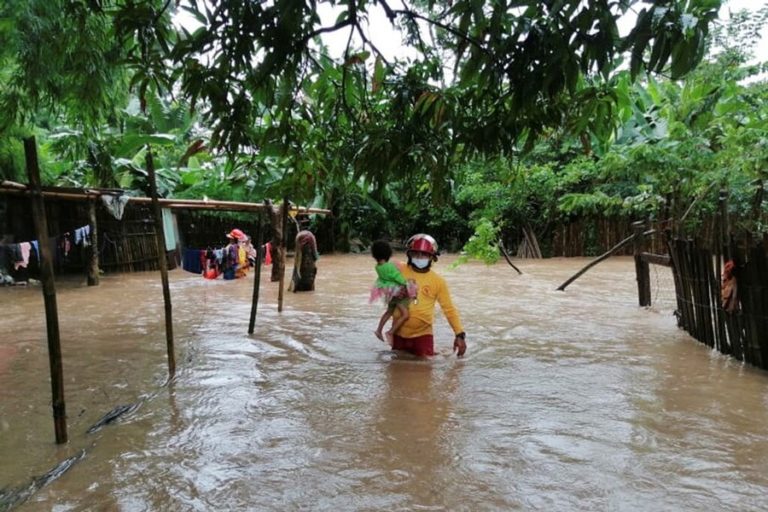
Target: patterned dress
column 391, row 286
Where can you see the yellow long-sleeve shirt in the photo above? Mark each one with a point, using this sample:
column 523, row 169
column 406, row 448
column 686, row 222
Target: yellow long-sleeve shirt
column 432, row 288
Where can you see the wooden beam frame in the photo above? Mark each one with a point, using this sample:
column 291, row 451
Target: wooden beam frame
column 11, row 187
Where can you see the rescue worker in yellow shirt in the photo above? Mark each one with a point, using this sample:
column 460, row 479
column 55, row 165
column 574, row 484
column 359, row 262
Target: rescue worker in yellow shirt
column 416, row 334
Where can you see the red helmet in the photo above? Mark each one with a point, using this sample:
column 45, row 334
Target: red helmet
column 423, row 243
column 236, row 234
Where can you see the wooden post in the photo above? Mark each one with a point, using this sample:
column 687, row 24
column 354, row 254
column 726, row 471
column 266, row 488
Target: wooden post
column 725, row 228
column 642, row 269
column 759, row 266
column 276, row 222
column 160, row 238
column 674, row 257
column 93, row 266
column 749, row 299
column 283, row 250
column 49, row 293
column 704, row 280
column 732, row 322
column 257, row 275
column 720, row 315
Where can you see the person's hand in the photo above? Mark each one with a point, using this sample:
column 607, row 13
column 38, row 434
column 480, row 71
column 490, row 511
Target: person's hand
column 460, row 344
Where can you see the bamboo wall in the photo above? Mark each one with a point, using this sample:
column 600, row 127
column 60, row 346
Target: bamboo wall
column 129, row 244
column 200, row 230
column 592, row 236
column 742, row 334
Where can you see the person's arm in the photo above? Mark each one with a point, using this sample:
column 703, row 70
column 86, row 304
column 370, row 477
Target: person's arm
column 452, row 315
column 460, row 344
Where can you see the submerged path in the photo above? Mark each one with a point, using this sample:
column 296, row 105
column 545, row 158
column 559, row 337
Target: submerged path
column 575, row 400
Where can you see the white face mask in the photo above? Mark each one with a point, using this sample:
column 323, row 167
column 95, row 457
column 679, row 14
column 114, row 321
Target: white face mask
column 420, row 262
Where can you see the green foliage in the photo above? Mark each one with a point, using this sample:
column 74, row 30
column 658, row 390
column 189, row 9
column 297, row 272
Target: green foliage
column 513, row 115
column 61, row 57
column 254, row 72
column 12, row 156
column 483, row 244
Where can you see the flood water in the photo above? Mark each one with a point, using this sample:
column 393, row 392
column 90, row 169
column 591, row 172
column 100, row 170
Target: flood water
column 575, row 400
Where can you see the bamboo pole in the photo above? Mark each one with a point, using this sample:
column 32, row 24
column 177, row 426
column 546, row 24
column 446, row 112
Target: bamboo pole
column 223, row 205
column 10, row 187
column 600, row 258
column 642, row 270
column 696, row 292
column 160, row 238
column 703, row 264
column 678, row 261
column 275, row 222
column 706, row 303
column 747, row 310
column 535, row 243
column 49, row 293
column 13, row 185
column 690, row 296
column 656, row 259
column 755, row 315
column 283, row 251
column 50, row 195
column 93, row 266
column 676, row 277
column 720, row 313
column 760, row 265
column 713, row 288
column 714, row 296
column 257, row 275
column 726, row 226
column 130, row 253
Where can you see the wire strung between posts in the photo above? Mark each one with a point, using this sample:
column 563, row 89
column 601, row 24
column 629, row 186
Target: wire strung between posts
column 657, row 291
column 740, row 314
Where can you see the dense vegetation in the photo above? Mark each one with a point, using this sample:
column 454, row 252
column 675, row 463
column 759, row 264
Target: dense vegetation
column 514, row 114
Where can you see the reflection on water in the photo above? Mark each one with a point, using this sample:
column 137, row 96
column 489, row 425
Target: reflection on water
column 565, row 401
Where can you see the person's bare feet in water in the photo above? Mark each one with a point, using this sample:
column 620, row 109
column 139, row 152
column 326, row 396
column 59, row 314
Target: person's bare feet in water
column 390, row 338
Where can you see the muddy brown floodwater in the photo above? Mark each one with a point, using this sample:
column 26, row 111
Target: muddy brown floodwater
column 575, row 400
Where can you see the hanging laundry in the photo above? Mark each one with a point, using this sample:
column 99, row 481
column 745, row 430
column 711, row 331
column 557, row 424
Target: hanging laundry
column 115, row 204
column 65, row 245
column 191, row 261
column 82, row 236
column 23, row 260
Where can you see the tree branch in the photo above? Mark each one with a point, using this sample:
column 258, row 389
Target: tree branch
column 344, row 74
column 162, row 11
column 369, row 43
column 324, row 30
column 388, row 10
column 448, row 28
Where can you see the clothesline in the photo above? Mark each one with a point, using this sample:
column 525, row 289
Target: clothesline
column 199, row 261
column 20, row 251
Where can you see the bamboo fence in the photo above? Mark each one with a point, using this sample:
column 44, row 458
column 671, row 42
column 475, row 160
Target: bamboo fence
column 742, row 333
